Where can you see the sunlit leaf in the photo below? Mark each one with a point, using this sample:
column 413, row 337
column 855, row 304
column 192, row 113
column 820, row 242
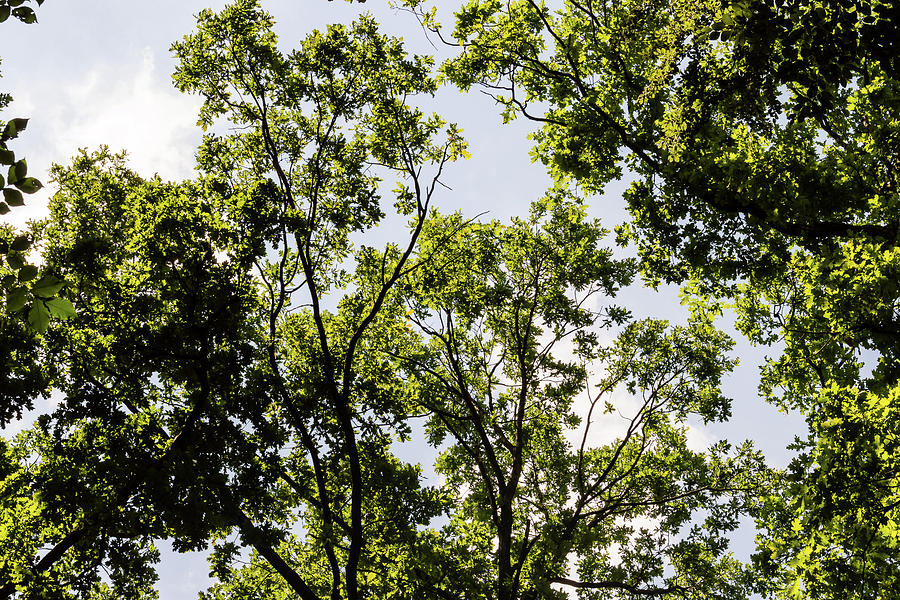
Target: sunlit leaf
column 39, row 316
column 61, row 308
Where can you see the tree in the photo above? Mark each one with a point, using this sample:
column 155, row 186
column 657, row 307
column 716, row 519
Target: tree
column 26, row 291
column 241, row 366
column 15, row 183
column 511, row 340
column 763, row 140
column 179, row 353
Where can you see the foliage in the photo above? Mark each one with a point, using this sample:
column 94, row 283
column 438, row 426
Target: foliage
column 16, row 181
column 549, row 506
column 763, row 137
column 16, row 9
column 194, row 338
column 23, row 288
column 243, row 365
column 26, row 290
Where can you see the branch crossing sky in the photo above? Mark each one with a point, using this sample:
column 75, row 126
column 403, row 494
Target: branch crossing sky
column 97, row 72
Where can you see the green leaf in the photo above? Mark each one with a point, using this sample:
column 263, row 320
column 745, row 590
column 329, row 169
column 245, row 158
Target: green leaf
column 2, row 181
column 25, row 14
column 21, row 169
column 27, row 273
column 29, row 185
column 21, row 243
column 16, row 299
column 7, row 156
column 4, row 208
column 47, row 286
column 13, row 127
column 15, row 261
column 13, row 197
column 39, row 317
column 61, row 308
column 4, row 13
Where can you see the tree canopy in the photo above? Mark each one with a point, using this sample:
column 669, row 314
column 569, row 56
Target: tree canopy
column 763, row 140
column 243, row 363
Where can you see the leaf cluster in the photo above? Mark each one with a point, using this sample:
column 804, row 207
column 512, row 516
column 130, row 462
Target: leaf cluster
column 763, row 140
column 244, row 363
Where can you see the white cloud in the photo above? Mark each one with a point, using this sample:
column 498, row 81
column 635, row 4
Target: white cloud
column 699, row 438
column 605, row 428
column 602, row 427
column 127, row 106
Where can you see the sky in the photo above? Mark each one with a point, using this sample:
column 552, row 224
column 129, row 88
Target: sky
column 97, row 72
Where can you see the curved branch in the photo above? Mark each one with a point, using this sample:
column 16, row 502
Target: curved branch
column 616, row 585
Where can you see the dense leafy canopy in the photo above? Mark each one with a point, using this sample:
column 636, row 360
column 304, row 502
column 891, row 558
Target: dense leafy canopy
column 763, row 137
column 243, row 365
